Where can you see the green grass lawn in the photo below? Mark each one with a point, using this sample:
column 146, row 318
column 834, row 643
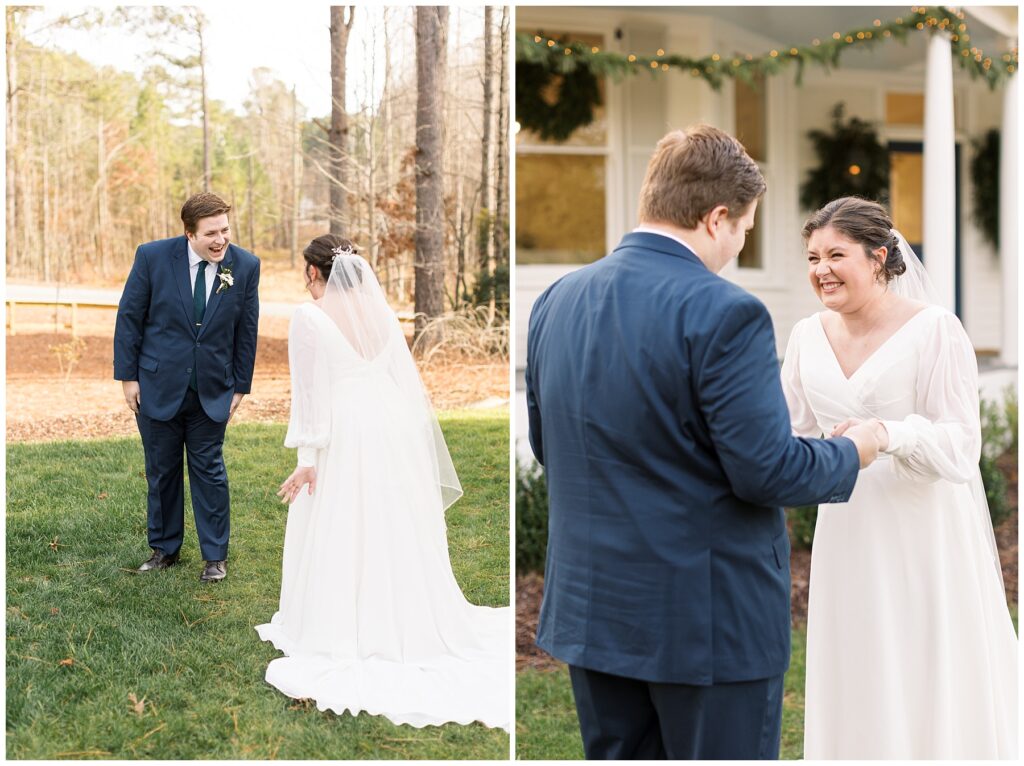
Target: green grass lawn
column 547, row 727
column 107, row 664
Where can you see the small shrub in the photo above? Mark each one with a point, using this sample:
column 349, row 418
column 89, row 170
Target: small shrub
column 470, row 332
column 995, row 490
column 531, row 518
column 997, row 437
column 1010, row 392
column 801, row 522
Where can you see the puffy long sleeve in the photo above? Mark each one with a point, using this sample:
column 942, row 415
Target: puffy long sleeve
column 309, row 426
column 942, row 440
column 800, row 413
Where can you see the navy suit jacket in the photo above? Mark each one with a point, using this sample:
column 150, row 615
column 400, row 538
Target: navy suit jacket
column 156, row 341
column 655, row 406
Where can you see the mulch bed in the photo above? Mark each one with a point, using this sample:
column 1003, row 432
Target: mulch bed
column 530, row 586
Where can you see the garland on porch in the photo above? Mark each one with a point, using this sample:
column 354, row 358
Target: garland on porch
column 851, row 161
column 549, row 71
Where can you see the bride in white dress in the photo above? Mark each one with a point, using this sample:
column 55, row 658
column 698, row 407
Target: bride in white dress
column 911, row 652
column 371, row 617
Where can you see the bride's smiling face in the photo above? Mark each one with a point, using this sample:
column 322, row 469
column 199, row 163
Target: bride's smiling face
column 841, row 274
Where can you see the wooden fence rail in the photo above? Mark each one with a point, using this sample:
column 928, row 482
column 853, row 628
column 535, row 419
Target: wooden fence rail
column 12, row 307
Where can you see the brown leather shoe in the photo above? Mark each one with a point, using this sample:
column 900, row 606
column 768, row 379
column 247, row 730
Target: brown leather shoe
column 159, row 560
column 214, row 571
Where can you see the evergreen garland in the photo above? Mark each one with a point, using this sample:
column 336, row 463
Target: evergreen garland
column 565, row 57
column 985, row 183
column 852, row 162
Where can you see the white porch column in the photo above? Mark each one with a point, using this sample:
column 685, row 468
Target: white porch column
column 1008, row 226
column 939, row 170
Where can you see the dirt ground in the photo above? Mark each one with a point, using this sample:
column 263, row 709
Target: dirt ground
column 45, row 402
column 530, row 586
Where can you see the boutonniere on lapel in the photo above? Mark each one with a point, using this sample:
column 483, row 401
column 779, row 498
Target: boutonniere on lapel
column 226, row 280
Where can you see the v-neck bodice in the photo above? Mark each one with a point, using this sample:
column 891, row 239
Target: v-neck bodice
column 881, row 348
column 883, row 386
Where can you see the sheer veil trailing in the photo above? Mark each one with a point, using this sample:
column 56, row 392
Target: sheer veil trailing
column 915, row 284
column 355, row 302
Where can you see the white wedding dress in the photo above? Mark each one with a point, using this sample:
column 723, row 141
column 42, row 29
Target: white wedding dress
column 371, row 617
column 911, row 652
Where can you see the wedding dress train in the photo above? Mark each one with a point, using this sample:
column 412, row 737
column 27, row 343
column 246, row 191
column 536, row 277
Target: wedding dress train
column 371, row 617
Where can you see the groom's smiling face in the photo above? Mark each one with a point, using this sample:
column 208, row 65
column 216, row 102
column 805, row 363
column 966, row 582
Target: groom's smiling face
column 211, row 237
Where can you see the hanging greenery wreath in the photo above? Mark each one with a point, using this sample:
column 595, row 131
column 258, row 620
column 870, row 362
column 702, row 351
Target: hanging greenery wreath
column 852, row 161
column 555, row 105
column 985, row 180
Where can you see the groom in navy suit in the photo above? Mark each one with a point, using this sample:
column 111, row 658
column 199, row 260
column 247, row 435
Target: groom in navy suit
column 184, row 349
column 656, row 409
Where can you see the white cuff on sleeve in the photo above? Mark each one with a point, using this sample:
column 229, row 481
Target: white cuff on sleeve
column 307, row 456
column 902, row 438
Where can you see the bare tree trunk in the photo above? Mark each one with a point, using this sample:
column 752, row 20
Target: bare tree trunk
column 371, row 197
column 295, row 178
column 44, row 207
column 485, row 245
column 338, row 134
column 102, row 209
column 386, row 116
column 248, row 198
column 431, row 59
column 501, row 223
column 12, row 225
column 207, row 174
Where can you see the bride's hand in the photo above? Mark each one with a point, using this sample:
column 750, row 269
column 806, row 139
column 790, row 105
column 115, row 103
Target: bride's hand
column 291, row 486
column 842, row 428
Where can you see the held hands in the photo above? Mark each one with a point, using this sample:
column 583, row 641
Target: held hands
column 291, row 486
column 869, row 436
column 132, row 394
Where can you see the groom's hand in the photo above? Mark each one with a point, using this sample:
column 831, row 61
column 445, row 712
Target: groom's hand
column 880, row 431
column 870, row 437
column 235, row 401
column 132, row 395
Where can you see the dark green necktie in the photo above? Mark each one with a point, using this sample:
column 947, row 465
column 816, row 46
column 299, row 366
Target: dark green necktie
column 198, row 309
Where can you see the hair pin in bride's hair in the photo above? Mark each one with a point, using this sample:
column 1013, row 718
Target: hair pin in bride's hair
column 342, row 250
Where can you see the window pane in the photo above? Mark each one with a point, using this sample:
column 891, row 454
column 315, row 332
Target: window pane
column 594, row 134
column 750, row 255
column 904, row 108
column 750, row 117
column 906, row 193
column 559, row 208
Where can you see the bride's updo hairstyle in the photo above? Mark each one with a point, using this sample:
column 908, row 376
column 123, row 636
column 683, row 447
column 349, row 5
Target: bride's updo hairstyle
column 866, row 223
column 320, row 253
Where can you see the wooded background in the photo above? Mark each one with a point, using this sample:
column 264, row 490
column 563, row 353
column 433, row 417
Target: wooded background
column 100, row 160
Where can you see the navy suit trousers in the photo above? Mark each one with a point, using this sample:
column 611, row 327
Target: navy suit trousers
column 629, row 719
column 191, row 430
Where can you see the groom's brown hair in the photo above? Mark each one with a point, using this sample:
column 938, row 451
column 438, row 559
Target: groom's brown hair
column 201, row 205
column 694, row 171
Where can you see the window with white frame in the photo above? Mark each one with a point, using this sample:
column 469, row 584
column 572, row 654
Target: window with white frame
column 751, row 116
column 560, row 185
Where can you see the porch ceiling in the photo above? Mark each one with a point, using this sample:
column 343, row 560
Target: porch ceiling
column 798, row 25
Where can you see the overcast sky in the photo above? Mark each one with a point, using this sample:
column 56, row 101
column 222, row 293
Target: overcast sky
column 292, row 39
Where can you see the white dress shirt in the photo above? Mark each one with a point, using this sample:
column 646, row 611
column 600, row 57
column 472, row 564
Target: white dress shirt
column 194, row 262
column 645, row 229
